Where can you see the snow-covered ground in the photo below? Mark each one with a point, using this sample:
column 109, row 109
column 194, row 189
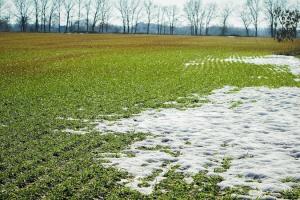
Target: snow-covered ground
column 259, row 128
column 278, row 61
column 291, row 62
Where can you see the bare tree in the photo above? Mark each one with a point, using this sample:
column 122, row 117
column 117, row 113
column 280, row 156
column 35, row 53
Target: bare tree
column 105, row 11
column 227, row 11
column 254, row 8
column 36, row 4
column 135, row 7
column 79, row 2
column 122, row 6
column 246, row 18
column 172, row 15
column 22, row 7
column 210, row 14
column 158, row 13
column 270, row 8
column 68, row 4
column 51, row 13
column 97, row 5
column 149, row 7
column 58, row 6
column 137, row 18
column 128, row 10
column 44, row 6
column 195, row 15
column 164, row 20
column 87, row 7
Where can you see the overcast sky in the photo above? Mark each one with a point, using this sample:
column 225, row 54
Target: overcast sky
column 234, row 19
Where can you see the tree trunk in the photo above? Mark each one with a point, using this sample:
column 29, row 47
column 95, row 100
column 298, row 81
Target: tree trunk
column 68, row 16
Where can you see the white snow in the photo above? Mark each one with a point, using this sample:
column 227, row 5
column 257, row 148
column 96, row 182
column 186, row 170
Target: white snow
column 276, row 60
column 261, row 134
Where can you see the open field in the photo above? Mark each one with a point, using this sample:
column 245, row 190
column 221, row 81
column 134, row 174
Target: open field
column 56, row 90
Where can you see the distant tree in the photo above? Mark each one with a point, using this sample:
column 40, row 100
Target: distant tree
column 22, row 7
column 53, row 7
column 270, row 7
column 105, row 10
column 149, row 7
column 210, row 14
column 79, row 2
column 158, row 13
column 68, row 4
column 194, row 14
column 97, row 5
column 44, row 6
column 137, row 14
column 58, row 7
column 246, row 18
column 87, row 7
column 227, row 11
column 121, row 6
column 36, row 4
column 172, row 15
column 163, row 21
column 255, row 9
column 128, row 10
column 134, row 9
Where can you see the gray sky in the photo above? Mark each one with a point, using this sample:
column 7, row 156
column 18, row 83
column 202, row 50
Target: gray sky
column 234, row 19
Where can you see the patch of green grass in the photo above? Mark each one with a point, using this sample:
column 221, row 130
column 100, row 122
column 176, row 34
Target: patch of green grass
column 292, row 194
column 235, row 104
column 290, row 179
column 226, row 163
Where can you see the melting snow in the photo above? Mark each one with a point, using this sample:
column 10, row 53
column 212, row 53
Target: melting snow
column 278, row 60
column 261, row 134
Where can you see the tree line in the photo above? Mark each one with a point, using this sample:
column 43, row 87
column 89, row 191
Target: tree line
column 98, row 15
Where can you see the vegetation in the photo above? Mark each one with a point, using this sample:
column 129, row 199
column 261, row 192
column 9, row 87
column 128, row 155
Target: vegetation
column 50, row 83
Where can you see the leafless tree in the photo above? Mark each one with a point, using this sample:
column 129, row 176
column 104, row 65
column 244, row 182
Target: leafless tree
column 246, row 18
column 128, row 10
column 172, row 15
column 121, row 6
column 79, row 4
column 68, row 4
column 195, row 15
column 137, row 17
column 52, row 9
column 227, row 11
column 255, row 9
column 270, row 8
column 149, row 7
column 135, row 7
column 22, row 7
column 87, row 7
column 58, row 6
column 97, row 6
column 210, row 14
column 105, row 15
column 36, row 4
column 44, row 6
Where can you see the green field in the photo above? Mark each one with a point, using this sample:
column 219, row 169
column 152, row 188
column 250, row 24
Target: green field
column 46, row 78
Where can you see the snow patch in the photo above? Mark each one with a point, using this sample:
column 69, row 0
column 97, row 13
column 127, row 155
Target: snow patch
column 261, row 135
column 279, row 61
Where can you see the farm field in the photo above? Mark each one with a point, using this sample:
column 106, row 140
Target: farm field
column 86, row 116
